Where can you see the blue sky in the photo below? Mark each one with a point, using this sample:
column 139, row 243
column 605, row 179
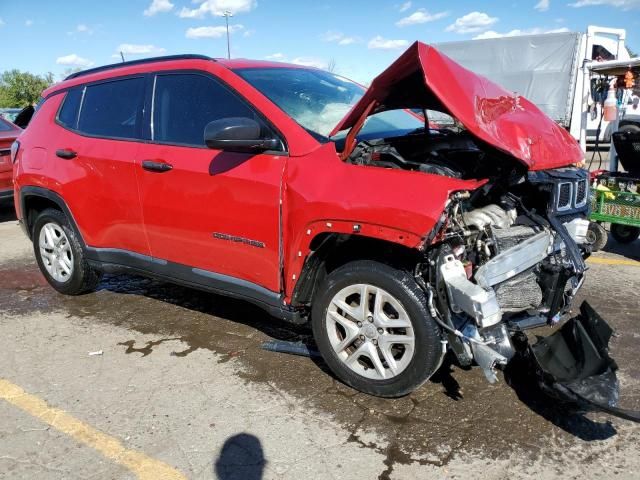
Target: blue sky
column 360, row 37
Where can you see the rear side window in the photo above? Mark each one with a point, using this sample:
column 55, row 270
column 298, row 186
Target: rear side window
column 68, row 115
column 113, row 109
column 185, row 103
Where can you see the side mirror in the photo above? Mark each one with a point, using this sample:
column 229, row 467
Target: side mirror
column 237, row 134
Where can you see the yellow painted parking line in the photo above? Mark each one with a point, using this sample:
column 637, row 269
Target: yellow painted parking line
column 613, row 261
column 142, row 466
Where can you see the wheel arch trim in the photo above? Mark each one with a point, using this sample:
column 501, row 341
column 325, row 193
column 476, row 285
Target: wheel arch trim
column 29, row 191
column 305, row 261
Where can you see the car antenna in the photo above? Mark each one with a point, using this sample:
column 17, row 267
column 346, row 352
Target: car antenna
column 122, row 56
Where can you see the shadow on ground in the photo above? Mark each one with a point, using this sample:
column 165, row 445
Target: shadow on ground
column 7, row 212
column 241, row 458
column 629, row 250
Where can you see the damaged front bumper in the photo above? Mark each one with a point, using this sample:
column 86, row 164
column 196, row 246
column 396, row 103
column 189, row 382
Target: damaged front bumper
column 573, row 364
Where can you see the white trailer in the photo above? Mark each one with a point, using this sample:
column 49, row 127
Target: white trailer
column 553, row 70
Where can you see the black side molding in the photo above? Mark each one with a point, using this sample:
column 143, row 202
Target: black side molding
column 112, row 260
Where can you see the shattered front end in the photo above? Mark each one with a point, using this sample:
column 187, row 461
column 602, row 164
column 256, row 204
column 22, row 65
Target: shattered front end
column 508, row 258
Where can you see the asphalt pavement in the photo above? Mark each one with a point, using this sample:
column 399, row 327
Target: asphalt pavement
column 143, row 379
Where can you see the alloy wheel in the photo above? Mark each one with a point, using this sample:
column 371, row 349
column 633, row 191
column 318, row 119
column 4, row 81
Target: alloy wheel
column 370, row 331
column 55, row 251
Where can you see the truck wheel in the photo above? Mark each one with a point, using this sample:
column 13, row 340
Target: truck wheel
column 373, row 329
column 596, row 236
column 624, row 233
column 60, row 255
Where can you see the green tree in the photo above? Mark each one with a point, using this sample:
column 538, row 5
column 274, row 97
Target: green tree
column 19, row 89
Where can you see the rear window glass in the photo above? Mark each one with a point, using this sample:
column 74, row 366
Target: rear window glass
column 4, row 127
column 113, row 109
column 68, row 115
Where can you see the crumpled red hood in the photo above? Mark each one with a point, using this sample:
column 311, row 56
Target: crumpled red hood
column 422, row 77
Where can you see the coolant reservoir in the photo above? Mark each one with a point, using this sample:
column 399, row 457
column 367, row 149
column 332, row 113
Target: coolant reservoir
column 611, row 105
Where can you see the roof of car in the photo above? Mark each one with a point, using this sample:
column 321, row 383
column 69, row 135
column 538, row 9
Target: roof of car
column 105, row 71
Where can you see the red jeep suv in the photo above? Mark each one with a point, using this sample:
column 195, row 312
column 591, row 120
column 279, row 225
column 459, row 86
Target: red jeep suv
column 317, row 199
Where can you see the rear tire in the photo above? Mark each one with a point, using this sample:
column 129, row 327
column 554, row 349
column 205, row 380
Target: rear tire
column 387, row 348
column 60, row 255
column 597, row 236
column 624, row 233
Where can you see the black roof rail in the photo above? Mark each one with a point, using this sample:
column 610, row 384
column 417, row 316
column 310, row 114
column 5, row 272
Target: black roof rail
column 141, row 61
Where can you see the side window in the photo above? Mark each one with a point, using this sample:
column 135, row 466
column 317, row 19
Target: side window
column 113, row 109
column 185, row 103
column 68, row 115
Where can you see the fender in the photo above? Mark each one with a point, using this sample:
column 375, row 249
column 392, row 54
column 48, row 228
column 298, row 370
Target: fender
column 30, row 191
column 365, row 230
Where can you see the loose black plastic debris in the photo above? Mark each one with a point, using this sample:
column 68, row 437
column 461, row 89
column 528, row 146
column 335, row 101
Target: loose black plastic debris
column 294, row 348
column 574, row 365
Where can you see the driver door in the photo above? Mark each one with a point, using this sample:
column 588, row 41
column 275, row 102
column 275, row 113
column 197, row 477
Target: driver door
column 207, row 209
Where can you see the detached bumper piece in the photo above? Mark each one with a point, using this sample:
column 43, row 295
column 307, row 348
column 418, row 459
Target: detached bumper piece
column 573, row 365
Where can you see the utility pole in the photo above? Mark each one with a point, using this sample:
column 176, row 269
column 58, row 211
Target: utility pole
column 226, row 14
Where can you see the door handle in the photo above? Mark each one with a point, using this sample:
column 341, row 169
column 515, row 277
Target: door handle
column 153, row 166
column 66, row 153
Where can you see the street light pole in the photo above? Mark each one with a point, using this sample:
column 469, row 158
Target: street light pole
column 226, row 14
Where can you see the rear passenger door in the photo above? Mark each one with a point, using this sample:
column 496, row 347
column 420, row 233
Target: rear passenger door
column 95, row 154
column 213, row 210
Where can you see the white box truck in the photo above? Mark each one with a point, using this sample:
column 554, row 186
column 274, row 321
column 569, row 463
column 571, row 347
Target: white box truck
column 552, row 70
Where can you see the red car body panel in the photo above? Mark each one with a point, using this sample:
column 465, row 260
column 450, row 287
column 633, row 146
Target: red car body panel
column 99, row 185
column 209, row 194
column 7, row 137
column 253, row 217
column 509, row 122
column 323, row 194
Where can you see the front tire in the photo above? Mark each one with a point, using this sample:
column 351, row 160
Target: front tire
column 387, row 345
column 60, row 255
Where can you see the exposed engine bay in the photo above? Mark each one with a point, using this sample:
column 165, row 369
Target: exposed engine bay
column 447, row 152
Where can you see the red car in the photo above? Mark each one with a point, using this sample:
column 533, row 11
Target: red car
column 8, row 133
column 301, row 192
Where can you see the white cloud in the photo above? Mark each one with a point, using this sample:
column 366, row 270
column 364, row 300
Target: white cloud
column 347, row 40
column 1, row 22
column 304, row 61
column 211, row 32
column 28, row 23
column 518, row 32
column 472, row 22
column 405, row 6
column 82, row 28
column 136, row 49
column 309, row 62
column 542, row 5
column 420, row 16
column 339, row 38
column 217, row 7
column 158, row 6
column 380, row 43
column 248, row 33
column 623, row 4
column 74, row 60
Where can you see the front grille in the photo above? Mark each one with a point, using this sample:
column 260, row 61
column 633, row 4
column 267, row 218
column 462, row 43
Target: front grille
column 565, row 191
column 581, row 193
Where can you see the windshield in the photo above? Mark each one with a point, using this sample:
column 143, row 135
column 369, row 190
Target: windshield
column 318, row 100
